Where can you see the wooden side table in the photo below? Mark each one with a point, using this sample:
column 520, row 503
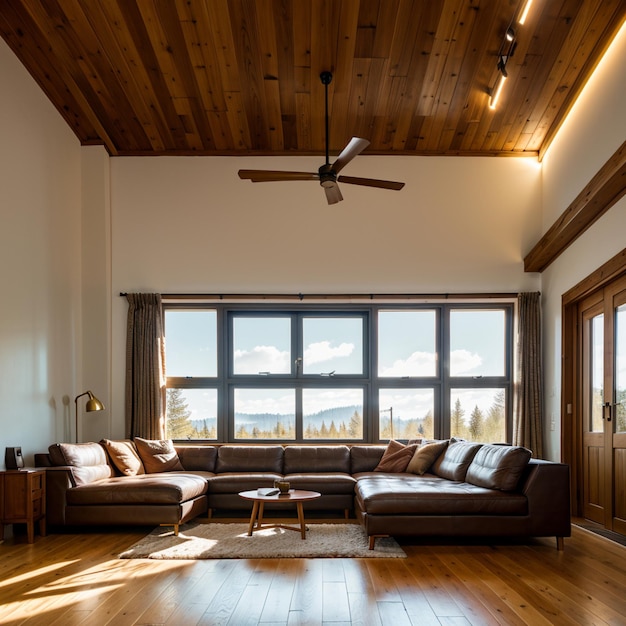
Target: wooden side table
column 23, row 500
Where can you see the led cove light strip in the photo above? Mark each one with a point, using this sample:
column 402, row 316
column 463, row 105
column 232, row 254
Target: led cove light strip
column 524, row 15
column 495, row 94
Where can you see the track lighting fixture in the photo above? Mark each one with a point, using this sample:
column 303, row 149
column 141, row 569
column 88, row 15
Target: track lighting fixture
column 507, row 48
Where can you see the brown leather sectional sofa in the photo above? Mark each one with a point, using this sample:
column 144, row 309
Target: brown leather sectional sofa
column 471, row 489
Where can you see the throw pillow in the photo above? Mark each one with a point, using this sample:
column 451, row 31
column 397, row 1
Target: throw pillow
column 425, row 456
column 396, row 457
column 158, row 455
column 123, row 455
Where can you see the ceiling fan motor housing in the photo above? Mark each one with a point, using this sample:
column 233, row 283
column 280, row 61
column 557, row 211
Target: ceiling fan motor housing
column 328, row 177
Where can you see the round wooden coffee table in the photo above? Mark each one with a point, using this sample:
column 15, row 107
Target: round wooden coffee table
column 297, row 496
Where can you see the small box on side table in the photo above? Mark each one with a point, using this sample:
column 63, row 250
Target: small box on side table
column 23, row 500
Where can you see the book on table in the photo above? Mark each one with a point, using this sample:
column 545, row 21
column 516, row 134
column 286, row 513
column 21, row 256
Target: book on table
column 267, row 491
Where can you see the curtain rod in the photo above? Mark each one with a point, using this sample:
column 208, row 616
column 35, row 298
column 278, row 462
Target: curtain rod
column 311, row 296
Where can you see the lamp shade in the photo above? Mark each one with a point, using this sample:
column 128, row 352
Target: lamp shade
column 93, row 404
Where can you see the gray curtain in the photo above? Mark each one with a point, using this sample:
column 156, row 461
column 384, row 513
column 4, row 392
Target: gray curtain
column 528, row 400
column 145, row 367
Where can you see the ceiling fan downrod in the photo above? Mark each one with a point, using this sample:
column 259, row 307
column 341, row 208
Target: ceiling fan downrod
column 326, row 78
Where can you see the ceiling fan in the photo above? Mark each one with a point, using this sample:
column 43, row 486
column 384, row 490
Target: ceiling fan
column 327, row 174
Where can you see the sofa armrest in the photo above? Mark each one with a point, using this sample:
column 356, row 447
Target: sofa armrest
column 58, row 480
column 547, row 487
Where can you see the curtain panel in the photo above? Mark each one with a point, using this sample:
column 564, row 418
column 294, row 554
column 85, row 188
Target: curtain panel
column 145, row 367
column 528, row 400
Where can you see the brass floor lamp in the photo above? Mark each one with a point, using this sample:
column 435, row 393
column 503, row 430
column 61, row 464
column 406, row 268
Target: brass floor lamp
column 93, row 404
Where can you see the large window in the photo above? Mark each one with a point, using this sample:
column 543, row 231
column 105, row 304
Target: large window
column 346, row 373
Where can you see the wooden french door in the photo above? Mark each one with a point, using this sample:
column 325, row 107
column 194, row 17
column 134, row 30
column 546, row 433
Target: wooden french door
column 602, row 338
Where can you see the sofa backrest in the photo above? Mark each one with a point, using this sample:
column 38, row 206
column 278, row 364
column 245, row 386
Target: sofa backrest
column 456, row 459
column 88, row 461
column 298, row 459
column 197, row 458
column 365, row 458
column 249, row 459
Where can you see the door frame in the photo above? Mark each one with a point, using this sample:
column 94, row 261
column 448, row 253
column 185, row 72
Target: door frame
column 571, row 371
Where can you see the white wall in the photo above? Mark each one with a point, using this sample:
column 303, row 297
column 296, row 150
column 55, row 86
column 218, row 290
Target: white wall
column 39, row 272
column 595, row 129
column 190, row 225
column 96, row 291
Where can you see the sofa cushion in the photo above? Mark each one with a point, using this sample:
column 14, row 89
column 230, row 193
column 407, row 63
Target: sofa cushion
column 408, row 494
column 88, row 461
column 425, row 456
column 234, row 482
column 158, row 455
column 453, row 463
column 396, row 457
column 300, row 459
column 143, row 489
column 336, row 483
column 498, row 467
column 123, row 455
column 249, row 459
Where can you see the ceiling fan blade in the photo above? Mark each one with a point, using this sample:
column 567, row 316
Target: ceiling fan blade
column 263, row 176
column 354, row 148
column 333, row 195
column 371, row 182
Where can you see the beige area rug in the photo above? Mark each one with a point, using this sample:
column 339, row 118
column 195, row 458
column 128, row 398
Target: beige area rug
column 231, row 541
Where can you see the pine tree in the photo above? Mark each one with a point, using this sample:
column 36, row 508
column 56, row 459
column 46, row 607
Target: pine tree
column 427, row 428
column 179, row 425
column 324, row 430
column 457, row 423
column 355, row 428
column 476, row 424
column 494, row 427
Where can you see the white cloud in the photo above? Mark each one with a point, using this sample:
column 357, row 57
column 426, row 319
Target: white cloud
column 262, row 359
column 462, row 362
column 417, row 364
column 322, row 351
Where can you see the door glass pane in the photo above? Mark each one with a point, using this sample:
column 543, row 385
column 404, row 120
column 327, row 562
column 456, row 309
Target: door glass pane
column 332, row 345
column 332, row 413
column 477, row 343
column 406, row 413
column 620, row 369
column 261, row 345
column 478, row 414
column 191, row 343
column 596, row 378
column 265, row 414
column 406, row 343
column 191, row 413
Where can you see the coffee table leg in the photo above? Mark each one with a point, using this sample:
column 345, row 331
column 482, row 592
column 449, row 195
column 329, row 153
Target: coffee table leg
column 255, row 510
column 301, row 520
column 259, row 521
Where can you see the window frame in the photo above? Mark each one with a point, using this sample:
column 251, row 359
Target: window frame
column 226, row 381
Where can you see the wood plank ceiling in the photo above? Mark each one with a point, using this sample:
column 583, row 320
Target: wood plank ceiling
column 228, row 77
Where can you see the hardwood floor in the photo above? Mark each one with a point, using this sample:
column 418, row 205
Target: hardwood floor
column 66, row 579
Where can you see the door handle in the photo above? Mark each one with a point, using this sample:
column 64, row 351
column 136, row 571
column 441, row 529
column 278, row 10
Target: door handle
column 606, row 411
